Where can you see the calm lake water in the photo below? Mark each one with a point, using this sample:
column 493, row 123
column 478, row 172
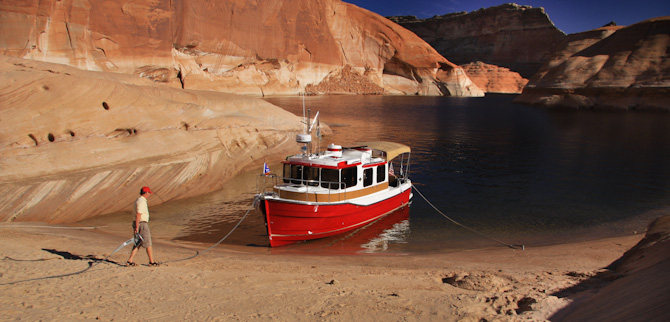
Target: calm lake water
column 520, row 174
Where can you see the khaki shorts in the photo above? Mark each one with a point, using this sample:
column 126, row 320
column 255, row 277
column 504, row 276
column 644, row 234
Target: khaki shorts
column 145, row 233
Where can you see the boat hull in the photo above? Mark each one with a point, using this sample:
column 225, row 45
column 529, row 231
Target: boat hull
column 291, row 222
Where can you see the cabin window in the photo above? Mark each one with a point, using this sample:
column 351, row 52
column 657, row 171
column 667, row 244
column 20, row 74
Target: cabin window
column 287, row 173
column 296, row 174
column 330, row 178
column 367, row 177
column 349, row 176
column 381, row 173
column 312, row 176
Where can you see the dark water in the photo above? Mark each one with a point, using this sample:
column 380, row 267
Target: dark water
column 520, row 174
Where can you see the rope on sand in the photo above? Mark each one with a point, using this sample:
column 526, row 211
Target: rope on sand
column 522, row 247
column 90, row 265
column 126, row 243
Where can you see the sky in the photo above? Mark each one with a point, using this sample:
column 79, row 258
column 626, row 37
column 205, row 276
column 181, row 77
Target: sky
column 570, row 16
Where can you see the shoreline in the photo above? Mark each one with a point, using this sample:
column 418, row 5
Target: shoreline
column 203, row 220
column 243, row 283
column 251, row 234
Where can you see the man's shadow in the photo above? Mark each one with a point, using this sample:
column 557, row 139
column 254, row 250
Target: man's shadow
column 70, row 256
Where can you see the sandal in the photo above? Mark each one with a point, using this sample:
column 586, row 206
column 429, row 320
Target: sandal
column 154, row 264
column 128, row 264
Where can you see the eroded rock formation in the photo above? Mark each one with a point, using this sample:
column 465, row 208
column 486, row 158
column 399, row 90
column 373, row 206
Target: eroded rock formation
column 247, row 47
column 495, row 79
column 520, row 38
column 345, row 81
column 75, row 144
column 607, row 68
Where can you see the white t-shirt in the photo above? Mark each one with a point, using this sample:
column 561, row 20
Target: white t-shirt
column 142, row 208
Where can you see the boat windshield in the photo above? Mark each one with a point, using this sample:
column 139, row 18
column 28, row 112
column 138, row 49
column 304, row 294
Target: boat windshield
column 315, row 176
column 330, row 178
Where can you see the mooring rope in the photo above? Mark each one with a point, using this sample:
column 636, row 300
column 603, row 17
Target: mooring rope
column 126, row 243
column 522, row 247
column 217, row 243
column 90, row 265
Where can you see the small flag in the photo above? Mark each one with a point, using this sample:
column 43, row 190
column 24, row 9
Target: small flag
column 391, row 172
column 266, row 169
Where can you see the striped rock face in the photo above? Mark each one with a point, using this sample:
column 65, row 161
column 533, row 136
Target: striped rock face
column 623, row 68
column 77, row 144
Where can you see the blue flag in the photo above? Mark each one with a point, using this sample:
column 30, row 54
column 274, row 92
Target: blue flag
column 266, row 169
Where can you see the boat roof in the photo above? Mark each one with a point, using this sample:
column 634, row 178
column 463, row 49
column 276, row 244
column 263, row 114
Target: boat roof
column 351, row 156
column 391, row 149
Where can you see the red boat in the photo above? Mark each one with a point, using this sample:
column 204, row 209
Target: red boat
column 376, row 237
column 335, row 191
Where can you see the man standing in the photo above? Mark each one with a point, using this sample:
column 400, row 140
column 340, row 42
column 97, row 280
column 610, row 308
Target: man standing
column 141, row 227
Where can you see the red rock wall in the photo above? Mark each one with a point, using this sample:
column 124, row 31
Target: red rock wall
column 241, row 46
column 495, row 79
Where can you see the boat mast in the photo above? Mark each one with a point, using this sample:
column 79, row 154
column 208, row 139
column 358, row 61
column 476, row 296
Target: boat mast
column 305, row 138
column 308, row 130
column 304, row 120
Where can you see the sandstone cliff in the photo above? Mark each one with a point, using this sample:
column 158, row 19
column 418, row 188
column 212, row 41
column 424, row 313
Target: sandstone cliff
column 494, row 79
column 245, row 47
column 607, row 68
column 638, row 288
column 76, row 144
column 520, row 38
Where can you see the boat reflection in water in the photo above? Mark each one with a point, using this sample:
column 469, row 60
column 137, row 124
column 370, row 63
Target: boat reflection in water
column 376, row 237
column 395, row 234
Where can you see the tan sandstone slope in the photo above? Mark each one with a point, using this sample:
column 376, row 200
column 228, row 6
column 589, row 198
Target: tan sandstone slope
column 640, row 289
column 241, row 46
column 607, row 68
column 75, row 144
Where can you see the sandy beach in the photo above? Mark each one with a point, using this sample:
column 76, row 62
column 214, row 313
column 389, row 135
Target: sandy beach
column 236, row 283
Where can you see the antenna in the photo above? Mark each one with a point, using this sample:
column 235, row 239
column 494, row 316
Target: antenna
column 303, row 111
column 313, row 123
column 309, row 132
column 306, row 138
column 318, row 130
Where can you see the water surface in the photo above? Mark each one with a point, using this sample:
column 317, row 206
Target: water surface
column 519, row 174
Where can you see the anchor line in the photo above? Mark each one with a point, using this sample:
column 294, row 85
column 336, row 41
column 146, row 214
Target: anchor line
column 220, row 241
column 522, row 247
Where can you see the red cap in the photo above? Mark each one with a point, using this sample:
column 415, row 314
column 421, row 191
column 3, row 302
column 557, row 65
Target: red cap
column 146, row 189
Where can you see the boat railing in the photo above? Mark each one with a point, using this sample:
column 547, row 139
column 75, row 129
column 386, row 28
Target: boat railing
column 266, row 184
